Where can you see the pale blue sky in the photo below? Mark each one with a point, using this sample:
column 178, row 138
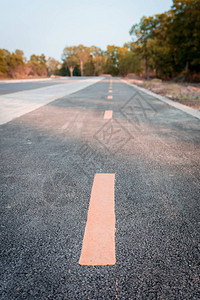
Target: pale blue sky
column 47, row 26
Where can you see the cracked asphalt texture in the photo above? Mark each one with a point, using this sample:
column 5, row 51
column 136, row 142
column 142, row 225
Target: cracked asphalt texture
column 48, row 161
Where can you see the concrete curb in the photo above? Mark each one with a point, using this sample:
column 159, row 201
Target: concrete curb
column 193, row 112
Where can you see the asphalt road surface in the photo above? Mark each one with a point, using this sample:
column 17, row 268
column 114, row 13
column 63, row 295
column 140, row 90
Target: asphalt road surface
column 49, row 158
column 21, row 85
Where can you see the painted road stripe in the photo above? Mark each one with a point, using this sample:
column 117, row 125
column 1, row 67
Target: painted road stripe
column 99, row 239
column 110, row 91
column 108, row 114
column 109, row 97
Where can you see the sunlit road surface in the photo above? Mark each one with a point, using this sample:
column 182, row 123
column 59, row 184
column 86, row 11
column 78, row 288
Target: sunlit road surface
column 99, row 193
column 34, row 94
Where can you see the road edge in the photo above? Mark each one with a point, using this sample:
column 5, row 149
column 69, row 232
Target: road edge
column 48, row 98
column 191, row 111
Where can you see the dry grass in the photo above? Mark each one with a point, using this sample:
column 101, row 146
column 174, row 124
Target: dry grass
column 188, row 94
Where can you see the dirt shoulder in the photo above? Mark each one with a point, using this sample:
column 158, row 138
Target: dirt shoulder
column 184, row 93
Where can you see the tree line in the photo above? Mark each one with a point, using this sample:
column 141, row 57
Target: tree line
column 165, row 45
column 169, row 43
column 15, row 65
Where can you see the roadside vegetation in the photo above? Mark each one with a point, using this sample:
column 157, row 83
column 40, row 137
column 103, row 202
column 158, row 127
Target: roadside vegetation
column 164, row 46
column 185, row 93
column 15, row 65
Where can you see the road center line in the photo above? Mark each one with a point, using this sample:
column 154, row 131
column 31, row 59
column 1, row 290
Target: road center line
column 99, row 239
column 110, row 91
column 109, row 97
column 108, row 114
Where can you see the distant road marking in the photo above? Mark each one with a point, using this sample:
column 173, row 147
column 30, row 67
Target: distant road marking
column 110, row 91
column 109, row 97
column 108, row 114
column 98, row 247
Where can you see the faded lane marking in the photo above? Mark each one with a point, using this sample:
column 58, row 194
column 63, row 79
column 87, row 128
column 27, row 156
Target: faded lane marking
column 109, row 97
column 99, row 239
column 108, row 114
column 110, row 91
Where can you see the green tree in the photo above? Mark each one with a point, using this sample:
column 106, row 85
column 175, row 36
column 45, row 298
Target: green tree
column 169, row 43
column 89, row 67
column 184, row 34
column 53, row 66
column 111, row 65
column 98, row 59
column 11, row 63
column 3, row 62
column 70, row 58
column 129, row 61
column 142, row 33
column 64, row 70
column 83, row 55
column 38, row 63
